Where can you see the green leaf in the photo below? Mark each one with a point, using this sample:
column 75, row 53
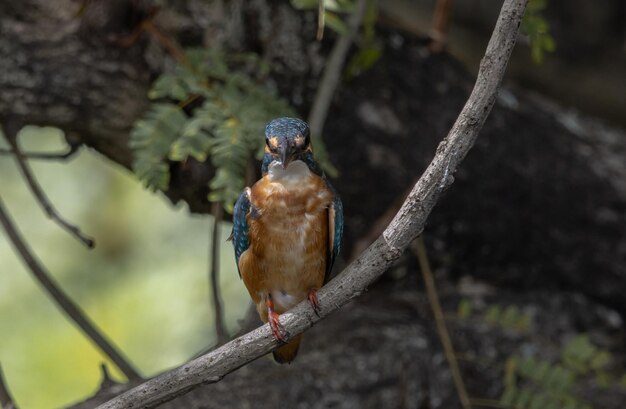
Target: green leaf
column 578, row 352
column 570, row 403
column 168, row 86
column 537, row 28
column 528, row 367
column 464, row 310
column 150, row 140
column 604, row 380
column 510, row 316
column 509, row 396
column 205, row 63
column 538, row 401
column 195, row 141
column 363, row 60
column 335, row 22
column 523, row 398
column 540, row 371
column 492, row 316
column 154, row 174
column 558, row 379
column 600, row 360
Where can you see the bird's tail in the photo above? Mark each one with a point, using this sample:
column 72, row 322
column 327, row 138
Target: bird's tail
column 287, row 352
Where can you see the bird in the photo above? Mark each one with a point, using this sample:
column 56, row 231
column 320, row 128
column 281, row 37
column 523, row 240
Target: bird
column 287, row 229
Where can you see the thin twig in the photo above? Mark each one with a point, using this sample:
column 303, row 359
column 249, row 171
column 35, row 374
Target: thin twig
column 69, row 307
column 10, row 134
column 165, row 40
column 147, row 25
column 321, row 14
column 441, row 22
column 433, row 299
column 404, row 228
column 218, row 309
column 6, row 400
column 332, row 72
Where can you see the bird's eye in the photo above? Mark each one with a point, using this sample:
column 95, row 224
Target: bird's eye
column 301, row 141
column 272, row 143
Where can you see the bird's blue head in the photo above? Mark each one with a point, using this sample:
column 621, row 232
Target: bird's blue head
column 286, row 140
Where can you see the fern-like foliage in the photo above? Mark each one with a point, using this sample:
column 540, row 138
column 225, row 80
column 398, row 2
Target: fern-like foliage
column 151, row 139
column 510, row 318
column 208, row 108
column 532, row 381
column 212, row 107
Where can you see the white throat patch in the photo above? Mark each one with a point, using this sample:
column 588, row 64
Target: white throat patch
column 296, row 172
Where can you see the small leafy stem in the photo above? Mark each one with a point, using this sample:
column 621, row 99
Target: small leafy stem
column 207, row 109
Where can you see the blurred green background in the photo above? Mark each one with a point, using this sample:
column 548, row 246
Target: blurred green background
column 145, row 284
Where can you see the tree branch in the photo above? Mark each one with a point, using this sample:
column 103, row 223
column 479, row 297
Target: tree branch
column 62, row 300
column 218, row 309
column 403, row 229
column 6, row 401
column 10, row 132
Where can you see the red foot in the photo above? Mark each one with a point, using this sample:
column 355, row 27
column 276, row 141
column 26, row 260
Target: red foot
column 315, row 303
column 272, row 317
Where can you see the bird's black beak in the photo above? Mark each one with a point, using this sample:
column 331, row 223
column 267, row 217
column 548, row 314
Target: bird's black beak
column 285, row 154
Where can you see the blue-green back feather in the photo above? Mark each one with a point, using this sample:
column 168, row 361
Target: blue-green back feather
column 241, row 242
column 338, row 231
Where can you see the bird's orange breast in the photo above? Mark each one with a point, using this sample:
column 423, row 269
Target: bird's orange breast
column 289, row 236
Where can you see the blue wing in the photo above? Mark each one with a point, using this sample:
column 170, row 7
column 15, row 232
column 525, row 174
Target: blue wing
column 241, row 242
column 335, row 227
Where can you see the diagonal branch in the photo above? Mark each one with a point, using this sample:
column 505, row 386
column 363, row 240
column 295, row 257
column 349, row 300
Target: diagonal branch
column 11, row 136
column 403, row 229
column 6, row 401
column 66, row 304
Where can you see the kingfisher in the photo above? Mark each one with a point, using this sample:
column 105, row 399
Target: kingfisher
column 287, row 229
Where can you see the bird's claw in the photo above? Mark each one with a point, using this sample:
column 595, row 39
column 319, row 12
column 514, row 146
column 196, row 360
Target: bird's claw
column 315, row 303
column 272, row 317
column 277, row 328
